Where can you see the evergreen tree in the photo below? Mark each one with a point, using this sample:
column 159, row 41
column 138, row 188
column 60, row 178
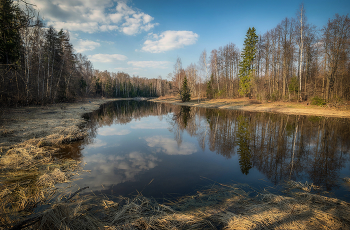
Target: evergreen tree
column 11, row 20
column 185, row 91
column 210, row 91
column 246, row 71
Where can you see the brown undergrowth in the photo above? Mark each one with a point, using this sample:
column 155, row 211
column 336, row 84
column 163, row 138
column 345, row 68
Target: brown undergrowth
column 219, row 207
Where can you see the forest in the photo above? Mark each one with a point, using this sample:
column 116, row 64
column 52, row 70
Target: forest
column 39, row 65
column 295, row 61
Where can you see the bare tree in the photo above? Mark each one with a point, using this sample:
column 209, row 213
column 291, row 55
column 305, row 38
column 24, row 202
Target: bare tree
column 335, row 39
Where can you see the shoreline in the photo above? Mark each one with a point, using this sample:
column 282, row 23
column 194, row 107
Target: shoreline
column 251, row 105
column 36, row 132
column 53, row 124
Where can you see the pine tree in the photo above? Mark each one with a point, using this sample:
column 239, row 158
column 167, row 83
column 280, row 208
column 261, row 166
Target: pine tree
column 246, row 71
column 185, row 91
column 11, row 20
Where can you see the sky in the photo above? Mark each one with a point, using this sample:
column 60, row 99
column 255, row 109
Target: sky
column 145, row 37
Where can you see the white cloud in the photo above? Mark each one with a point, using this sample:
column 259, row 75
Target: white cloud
column 115, row 169
column 116, row 17
column 108, row 131
column 137, row 22
column 86, row 45
column 123, row 8
column 91, row 16
column 169, row 146
column 107, row 57
column 169, row 40
column 108, row 27
column 87, row 27
column 97, row 144
column 150, row 64
column 126, row 69
column 144, row 125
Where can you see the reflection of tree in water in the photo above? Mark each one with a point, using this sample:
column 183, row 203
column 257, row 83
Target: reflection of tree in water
column 221, row 132
column 118, row 112
column 329, row 156
column 262, row 140
column 265, row 141
column 185, row 113
column 243, row 139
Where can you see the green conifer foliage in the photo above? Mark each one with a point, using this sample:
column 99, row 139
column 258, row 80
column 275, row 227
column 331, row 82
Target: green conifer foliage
column 185, row 91
column 11, row 20
column 246, row 71
column 210, row 91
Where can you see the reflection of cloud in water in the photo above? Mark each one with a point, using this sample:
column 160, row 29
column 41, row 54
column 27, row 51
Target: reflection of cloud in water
column 109, row 131
column 111, row 169
column 149, row 125
column 96, row 144
column 169, row 146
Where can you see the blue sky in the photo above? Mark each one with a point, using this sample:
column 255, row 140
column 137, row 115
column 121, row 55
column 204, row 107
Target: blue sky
column 145, row 37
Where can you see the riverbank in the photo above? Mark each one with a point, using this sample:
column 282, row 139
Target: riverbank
column 30, row 138
column 31, row 178
column 52, row 124
column 251, row 105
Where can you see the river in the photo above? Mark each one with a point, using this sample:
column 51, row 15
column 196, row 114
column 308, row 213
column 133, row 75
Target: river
column 167, row 151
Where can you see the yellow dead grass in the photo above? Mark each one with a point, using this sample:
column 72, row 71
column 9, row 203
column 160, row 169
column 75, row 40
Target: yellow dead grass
column 253, row 105
column 50, row 179
column 228, row 207
column 29, row 137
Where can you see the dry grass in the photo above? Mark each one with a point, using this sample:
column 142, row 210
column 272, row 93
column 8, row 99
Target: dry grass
column 220, row 207
column 27, row 174
column 29, row 138
column 46, row 125
column 50, row 179
column 63, row 216
column 24, row 156
column 253, row 105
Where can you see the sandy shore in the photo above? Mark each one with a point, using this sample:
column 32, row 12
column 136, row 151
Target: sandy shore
column 251, row 105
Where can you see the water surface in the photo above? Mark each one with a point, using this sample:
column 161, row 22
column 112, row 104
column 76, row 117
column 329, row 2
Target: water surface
column 166, row 151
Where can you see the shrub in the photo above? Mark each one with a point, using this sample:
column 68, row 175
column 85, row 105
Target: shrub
column 274, row 96
column 293, row 85
column 317, row 101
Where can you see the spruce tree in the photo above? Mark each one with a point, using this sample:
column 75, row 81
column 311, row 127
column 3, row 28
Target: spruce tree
column 210, row 91
column 246, row 71
column 185, row 91
column 11, row 19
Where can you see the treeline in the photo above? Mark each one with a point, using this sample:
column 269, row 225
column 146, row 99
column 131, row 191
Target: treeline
column 282, row 147
column 293, row 61
column 120, row 84
column 38, row 65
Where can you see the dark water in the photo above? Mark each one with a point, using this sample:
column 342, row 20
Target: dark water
column 166, row 151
